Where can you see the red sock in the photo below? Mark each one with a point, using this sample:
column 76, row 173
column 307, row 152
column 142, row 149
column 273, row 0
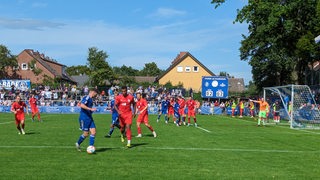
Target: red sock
column 195, row 120
column 128, row 133
column 39, row 116
column 151, row 129
column 189, row 120
column 139, row 130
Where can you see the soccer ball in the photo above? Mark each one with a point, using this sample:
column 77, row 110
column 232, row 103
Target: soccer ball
column 91, row 149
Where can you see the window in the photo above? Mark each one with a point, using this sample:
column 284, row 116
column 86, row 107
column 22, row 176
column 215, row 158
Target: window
column 180, row 69
column 24, row 66
column 188, row 69
column 195, row 69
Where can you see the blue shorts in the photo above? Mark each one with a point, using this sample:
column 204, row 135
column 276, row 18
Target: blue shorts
column 165, row 111
column 115, row 119
column 87, row 124
column 177, row 115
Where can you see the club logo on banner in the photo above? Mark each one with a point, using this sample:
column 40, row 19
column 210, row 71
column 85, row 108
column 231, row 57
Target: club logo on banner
column 214, row 87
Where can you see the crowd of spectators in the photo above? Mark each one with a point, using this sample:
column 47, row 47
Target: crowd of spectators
column 70, row 95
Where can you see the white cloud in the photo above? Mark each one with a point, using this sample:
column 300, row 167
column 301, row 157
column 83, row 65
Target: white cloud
column 39, row 5
column 168, row 13
column 32, row 24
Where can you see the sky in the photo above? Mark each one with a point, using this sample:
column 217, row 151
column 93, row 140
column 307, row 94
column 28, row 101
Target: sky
column 132, row 33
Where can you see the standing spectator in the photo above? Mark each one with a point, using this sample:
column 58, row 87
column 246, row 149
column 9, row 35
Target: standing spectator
column 241, row 108
column 233, row 107
column 124, row 102
column 276, row 112
column 142, row 110
column 34, row 108
column 18, row 108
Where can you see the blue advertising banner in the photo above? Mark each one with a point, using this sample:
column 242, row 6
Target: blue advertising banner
column 22, row 85
column 214, row 87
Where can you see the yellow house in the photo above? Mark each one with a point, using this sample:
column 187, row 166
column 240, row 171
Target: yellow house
column 187, row 70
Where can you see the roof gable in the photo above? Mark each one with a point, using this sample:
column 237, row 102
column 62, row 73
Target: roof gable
column 180, row 57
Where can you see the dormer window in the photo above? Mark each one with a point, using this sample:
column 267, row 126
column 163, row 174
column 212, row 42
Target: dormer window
column 195, row 69
column 24, row 66
column 188, row 69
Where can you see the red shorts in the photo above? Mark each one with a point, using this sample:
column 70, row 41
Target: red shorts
column 34, row 110
column 125, row 118
column 143, row 118
column 19, row 118
column 181, row 112
column 170, row 112
column 191, row 113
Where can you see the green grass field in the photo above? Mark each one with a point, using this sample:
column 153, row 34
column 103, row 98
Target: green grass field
column 220, row 148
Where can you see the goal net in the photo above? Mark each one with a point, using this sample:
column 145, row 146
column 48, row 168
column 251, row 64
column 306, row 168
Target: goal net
column 297, row 105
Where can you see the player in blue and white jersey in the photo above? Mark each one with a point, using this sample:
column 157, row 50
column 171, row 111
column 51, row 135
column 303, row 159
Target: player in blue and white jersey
column 164, row 109
column 115, row 116
column 86, row 120
column 176, row 113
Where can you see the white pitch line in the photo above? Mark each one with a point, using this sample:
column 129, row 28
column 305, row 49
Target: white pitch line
column 204, row 129
column 7, row 122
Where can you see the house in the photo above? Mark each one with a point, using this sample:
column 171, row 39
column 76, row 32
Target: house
column 236, row 85
column 35, row 66
column 187, row 70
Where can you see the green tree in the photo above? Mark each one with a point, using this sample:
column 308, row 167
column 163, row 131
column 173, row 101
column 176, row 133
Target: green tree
column 7, row 60
column 78, row 70
column 34, row 68
column 280, row 44
column 150, row 69
column 126, row 71
column 223, row 73
column 99, row 67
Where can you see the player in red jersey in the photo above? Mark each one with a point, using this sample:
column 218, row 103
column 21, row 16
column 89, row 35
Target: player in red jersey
column 142, row 110
column 123, row 103
column 18, row 109
column 170, row 109
column 34, row 108
column 191, row 104
column 182, row 105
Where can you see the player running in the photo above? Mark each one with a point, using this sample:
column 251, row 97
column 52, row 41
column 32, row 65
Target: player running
column 115, row 116
column 123, row 105
column 18, row 108
column 142, row 110
column 34, row 108
column 86, row 120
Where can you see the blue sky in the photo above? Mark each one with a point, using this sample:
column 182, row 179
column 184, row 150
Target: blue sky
column 131, row 32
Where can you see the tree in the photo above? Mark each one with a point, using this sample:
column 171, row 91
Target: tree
column 78, row 70
column 150, row 69
column 223, row 73
column 280, row 44
column 99, row 67
column 34, row 68
column 126, row 71
column 7, row 60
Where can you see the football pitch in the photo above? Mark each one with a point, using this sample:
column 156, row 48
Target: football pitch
column 220, row 147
